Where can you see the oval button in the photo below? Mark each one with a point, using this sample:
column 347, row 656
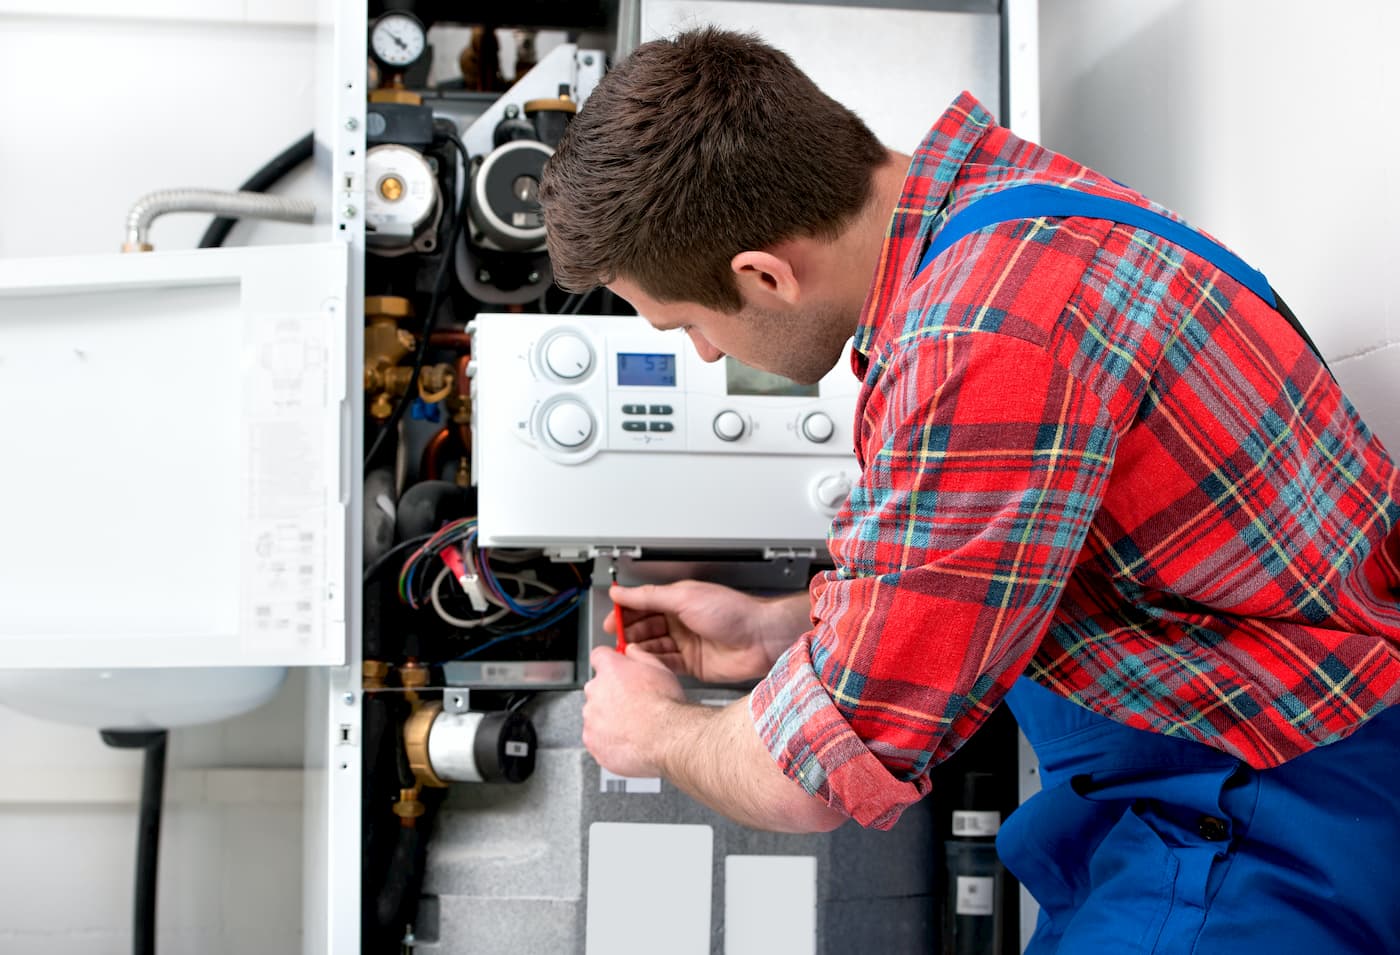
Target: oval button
column 568, row 424
column 729, row 426
column 818, row 427
column 568, row 356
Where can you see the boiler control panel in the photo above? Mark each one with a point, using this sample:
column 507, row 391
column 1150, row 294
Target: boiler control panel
column 601, row 430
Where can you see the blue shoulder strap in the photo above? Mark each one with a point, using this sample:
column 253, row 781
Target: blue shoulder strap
column 1034, row 201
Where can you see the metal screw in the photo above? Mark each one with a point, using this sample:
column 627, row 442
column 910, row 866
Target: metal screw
column 352, row 124
column 532, row 278
column 588, row 59
column 512, row 111
column 349, row 212
column 349, row 699
column 483, row 276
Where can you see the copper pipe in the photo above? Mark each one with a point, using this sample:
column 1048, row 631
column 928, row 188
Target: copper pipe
column 464, row 384
column 451, row 340
column 431, row 463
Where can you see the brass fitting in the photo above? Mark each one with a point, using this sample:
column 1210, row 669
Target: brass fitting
column 408, row 808
column 395, row 94
column 463, row 477
column 552, row 104
column 436, row 382
column 386, row 344
column 373, row 673
column 415, row 736
column 414, row 676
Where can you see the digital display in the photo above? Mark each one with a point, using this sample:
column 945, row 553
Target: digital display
column 740, row 379
column 638, row 369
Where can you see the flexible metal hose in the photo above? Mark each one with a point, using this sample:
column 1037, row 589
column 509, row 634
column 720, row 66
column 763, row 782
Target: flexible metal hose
column 238, row 205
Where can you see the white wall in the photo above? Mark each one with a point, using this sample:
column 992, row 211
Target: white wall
column 1272, row 124
column 99, row 110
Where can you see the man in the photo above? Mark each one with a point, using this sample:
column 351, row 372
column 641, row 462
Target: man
column 1091, row 457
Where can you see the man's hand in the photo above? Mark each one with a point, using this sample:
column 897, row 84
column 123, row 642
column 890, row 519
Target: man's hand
column 713, row 633
column 627, row 706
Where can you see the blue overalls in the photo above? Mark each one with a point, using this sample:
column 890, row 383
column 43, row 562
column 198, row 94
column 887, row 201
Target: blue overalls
column 1143, row 843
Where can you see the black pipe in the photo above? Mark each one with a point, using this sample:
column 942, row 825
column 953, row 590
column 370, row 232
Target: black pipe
column 261, row 181
column 143, row 935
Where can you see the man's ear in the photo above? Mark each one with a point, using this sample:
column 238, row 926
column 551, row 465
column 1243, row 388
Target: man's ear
column 766, row 279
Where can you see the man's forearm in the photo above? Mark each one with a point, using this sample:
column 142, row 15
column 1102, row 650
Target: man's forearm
column 789, row 617
column 716, row 757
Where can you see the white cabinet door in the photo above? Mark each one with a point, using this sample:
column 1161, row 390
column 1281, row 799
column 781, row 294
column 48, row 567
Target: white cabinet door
column 174, row 458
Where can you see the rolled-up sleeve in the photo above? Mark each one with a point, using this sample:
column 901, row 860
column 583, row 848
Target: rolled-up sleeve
column 984, row 464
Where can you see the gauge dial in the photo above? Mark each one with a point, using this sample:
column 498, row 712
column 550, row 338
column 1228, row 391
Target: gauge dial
column 397, row 40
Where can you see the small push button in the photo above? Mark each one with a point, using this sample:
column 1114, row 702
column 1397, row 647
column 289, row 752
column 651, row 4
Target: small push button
column 661, row 409
column 1212, row 829
column 634, row 426
column 662, row 426
column 634, row 409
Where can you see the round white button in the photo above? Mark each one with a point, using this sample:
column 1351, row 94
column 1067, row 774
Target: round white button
column 568, row 356
column 830, row 491
column 817, row 427
column 568, row 424
column 729, row 426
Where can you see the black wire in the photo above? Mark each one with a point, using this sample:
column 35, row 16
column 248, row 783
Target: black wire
column 262, row 180
column 388, row 555
column 439, row 288
column 578, row 306
column 153, row 742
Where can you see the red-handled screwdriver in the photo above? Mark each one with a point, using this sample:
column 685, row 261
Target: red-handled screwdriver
column 617, row 615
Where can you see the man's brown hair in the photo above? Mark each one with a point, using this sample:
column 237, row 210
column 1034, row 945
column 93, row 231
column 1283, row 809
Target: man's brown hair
column 693, row 150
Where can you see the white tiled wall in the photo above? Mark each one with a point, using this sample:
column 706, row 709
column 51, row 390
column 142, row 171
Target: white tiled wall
column 1272, row 124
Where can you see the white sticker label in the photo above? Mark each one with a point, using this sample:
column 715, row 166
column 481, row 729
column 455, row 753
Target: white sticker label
column 967, row 823
column 517, row 748
column 613, row 783
column 976, row 895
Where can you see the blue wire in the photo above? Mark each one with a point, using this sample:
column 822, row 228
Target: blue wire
column 536, row 628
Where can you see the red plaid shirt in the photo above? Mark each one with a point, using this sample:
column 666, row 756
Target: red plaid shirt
column 1088, row 457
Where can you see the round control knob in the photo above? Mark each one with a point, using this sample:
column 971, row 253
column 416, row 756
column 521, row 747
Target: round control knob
column 830, row 491
column 568, row 424
column 729, row 426
column 568, row 357
column 818, row 427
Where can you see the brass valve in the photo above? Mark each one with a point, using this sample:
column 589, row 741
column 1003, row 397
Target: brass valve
column 373, row 673
column 414, row 676
column 386, row 344
column 408, row 808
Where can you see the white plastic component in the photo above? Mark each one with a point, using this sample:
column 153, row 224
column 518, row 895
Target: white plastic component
column 649, row 889
column 210, row 388
column 654, row 471
column 830, row 491
column 770, row 905
column 139, row 699
column 818, row 427
column 568, row 357
column 729, row 425
column 568, row 424
column 452, row 745
column 401, row 194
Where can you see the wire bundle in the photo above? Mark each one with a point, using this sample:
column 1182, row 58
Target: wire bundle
column 454, row 547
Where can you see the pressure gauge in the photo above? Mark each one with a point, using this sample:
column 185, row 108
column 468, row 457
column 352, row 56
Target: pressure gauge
column 397, row 40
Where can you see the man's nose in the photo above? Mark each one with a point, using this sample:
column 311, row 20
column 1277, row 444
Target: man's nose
column 703, row 348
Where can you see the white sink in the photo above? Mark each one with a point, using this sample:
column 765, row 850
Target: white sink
column 139, row 698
